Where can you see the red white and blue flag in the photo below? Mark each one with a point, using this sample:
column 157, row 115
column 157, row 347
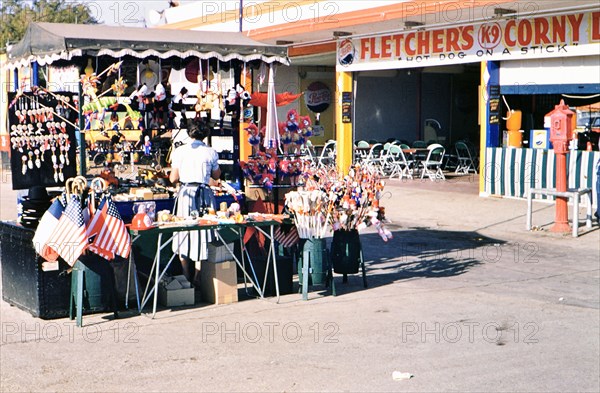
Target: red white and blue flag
column 287, row 238
column 45, row 228
column 107, row 233
column 68, row 238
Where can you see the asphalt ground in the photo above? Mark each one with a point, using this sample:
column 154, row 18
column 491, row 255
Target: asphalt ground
column 463, row 298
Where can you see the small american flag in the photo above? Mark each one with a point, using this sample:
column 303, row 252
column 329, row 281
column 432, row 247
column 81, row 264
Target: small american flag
column 107, row 232
column 287, row 238
column 68, row 238
column 45, row 228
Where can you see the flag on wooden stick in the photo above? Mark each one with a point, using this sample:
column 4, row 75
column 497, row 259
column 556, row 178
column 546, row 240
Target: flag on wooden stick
column 107, row 233
column 68, row 237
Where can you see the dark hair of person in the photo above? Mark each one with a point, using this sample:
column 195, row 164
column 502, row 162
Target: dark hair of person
column 198, row 129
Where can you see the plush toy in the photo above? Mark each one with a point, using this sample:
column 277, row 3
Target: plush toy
column 232, row 104
column 267, row 183
column 160, row 104
column 147, row 145
column 284, row 165
column 171, row 119
column 206, row 98
column 285, row 137
column 178, row 101
column 141, row 123
column 298, row 139
column 306, row 126
column 160, row 93
column 292, row 120
column 114, row 119
column 272, row 167
column 140, row 94
column 244, row 95
column 296, row 171
column 253, row 137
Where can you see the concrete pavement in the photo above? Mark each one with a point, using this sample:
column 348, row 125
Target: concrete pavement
column 462, row 298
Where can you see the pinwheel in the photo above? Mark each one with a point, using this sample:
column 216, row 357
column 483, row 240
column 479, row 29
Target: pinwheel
column 351, row 203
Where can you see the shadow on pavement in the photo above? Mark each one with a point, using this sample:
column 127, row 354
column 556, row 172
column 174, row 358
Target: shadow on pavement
column 418, row 253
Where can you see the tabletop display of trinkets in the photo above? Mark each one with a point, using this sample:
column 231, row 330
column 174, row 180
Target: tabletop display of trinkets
column 42, row 138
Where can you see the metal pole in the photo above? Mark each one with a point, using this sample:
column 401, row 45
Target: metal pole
column 241, row 16
column 81, row 133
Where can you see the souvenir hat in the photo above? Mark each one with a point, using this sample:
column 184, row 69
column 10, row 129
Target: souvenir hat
column 38, row 194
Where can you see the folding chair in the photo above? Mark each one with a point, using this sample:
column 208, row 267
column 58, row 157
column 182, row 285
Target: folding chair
column 373, row 161
column 398, row 163
column 327, row 157
column 307, row 153
column 466, row 163
column 432, row 166
column 362, row 151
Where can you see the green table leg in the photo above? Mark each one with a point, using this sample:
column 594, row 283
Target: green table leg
column 79, row 301
column 305, row 264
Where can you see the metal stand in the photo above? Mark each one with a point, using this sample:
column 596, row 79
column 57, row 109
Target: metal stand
column 575, row 194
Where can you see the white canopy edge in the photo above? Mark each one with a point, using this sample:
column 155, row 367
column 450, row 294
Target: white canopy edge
column 51, row 58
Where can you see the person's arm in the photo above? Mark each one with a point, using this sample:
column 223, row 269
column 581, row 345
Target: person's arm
column 174, row 175
column 175, row 164
column 215, row 172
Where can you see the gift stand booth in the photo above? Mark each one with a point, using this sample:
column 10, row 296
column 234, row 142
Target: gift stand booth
column 113, row 102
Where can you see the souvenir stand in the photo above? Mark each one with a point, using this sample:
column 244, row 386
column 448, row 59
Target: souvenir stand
column 121, row 97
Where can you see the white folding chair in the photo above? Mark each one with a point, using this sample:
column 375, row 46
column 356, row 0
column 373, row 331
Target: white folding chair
column 307, row 153
column 373, row 161
column 327, row 157
column 466, row 163
column 398, row 163
column 362, row 151
column 432, row 166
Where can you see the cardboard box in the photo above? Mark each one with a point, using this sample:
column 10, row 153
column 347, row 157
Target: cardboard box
column 175, row 291
column 218, row 254
column 218, row 282
column 160, row 196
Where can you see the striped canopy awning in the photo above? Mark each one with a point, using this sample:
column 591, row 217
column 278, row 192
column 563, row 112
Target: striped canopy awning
column 46, row 43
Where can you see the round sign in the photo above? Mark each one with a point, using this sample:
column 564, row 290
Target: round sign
column 346, row 52
column 191, row 71
column 317, row 97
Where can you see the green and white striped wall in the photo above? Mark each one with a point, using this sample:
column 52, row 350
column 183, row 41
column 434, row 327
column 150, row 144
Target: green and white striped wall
column 510, row 172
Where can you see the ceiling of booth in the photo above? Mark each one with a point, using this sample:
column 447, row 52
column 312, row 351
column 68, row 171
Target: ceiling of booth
column 48, row 42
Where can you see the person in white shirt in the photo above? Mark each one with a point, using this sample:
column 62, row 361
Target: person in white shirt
column 193, row 165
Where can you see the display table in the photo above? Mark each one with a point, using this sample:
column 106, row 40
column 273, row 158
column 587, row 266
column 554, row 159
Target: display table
column 165, row 238
column 125, row 208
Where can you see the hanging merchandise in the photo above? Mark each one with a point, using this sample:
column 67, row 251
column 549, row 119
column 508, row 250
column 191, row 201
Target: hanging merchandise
column 262, row 168
column 42, row 137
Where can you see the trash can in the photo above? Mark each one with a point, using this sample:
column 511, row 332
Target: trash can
column 98, row 284
column 345, row 251
column 314, row 250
